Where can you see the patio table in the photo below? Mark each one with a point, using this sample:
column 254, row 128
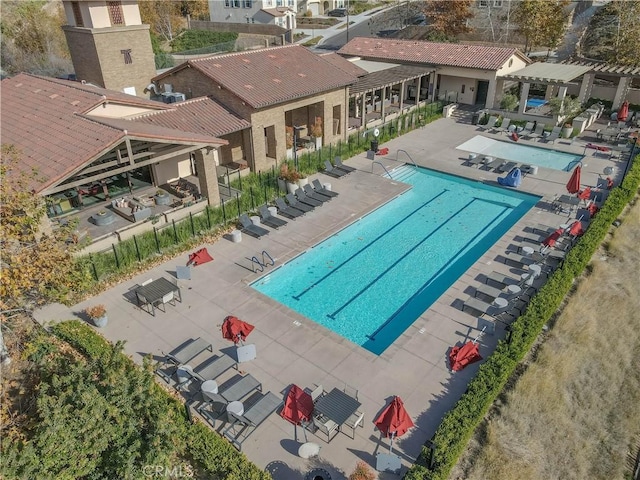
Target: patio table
column 337, row 406
column 157, row 291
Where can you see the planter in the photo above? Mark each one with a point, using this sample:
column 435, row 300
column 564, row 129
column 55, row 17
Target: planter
column 318, row 142
column 303, row 181
column 292, row 187
column 162, row 199
column 101, row 321
column 566, row 132
column 282, row 185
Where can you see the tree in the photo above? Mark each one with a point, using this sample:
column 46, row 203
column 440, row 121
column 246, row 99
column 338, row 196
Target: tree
column 36, row 266
column 448, row 17
column 32, row 38
column 167, row 17
column 541, row 22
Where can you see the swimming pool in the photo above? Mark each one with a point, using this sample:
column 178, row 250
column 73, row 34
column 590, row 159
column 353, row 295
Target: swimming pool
column 373, row 279
column 516, row 152
column 536, row 102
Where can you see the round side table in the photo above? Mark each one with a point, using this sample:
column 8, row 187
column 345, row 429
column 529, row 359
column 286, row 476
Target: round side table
column 209, row 387
column 514, row 289
column 308, row 450
column 500, row 303
column 535, row 269
column 528, row 251
column 236, row 408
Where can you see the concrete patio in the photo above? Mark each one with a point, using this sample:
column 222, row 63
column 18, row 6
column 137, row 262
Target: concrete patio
column 292, row 349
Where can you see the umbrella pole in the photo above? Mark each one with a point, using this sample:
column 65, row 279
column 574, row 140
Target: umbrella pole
column 391, row 442
column 304, row 432
column 480, row 335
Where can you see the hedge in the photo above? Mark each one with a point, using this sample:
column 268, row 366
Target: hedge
column 209, row 451
column 441, row 453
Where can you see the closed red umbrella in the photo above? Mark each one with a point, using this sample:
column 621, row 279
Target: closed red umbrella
column 573, row 186
column 394, row 421
column 551, row 240
column 235, row 329
column 460, row 357
column 576, row 229
column 298, row 407
column 623, row 113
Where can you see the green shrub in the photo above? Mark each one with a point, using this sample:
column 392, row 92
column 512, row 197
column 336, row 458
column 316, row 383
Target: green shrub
column 192, row 39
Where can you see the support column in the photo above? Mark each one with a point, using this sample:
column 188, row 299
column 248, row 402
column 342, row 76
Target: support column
column 621, row 92
column 524, row 95
column 383, row 97
column 434, row 88
column 549, row 92
column 363, row 110
column 206, row 162
column 494, row 94
column 403, row 86
column 586, row 86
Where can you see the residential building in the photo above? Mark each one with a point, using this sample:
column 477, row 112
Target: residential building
column 270, row 12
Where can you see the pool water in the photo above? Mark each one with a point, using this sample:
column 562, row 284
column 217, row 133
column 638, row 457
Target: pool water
column 373, row 279
column 517, row 152
column 536, row 102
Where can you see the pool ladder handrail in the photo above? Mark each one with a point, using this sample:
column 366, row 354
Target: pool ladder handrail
column 385, row 168
column 262, row 265
column 407, row 154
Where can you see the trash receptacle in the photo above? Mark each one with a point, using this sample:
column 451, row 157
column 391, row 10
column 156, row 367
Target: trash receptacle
column 374, row 145
column 475, row 118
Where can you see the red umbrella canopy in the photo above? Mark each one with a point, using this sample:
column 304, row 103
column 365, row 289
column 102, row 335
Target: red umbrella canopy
column 298, row 406
column 585, row 194
column 623, row 113
column 576, row 229
column 551, row 240
column 235, row 329
column 573, row 186
column 394, row 420
column 460, row 357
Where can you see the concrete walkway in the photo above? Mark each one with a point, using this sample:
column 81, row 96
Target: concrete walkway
column 292, row 349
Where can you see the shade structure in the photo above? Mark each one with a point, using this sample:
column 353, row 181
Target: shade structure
column 573, row 186
column 551, row 240
column 235, row 329
column 623, row 112
column 199, row 257
column 576, row 229
column 298, row 406
column 585, row 194
column 460, row 357
column 394, row 421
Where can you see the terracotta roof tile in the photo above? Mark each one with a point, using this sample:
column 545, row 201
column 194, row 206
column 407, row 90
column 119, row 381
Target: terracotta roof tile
column 344, row 64
column 201, row 115
column 446, row 54
column 270, row 76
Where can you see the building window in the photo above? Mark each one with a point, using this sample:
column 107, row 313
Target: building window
column 483, row 3
column 115, row 13
column 462, row 89
column 279, row 3
column 227, row 3
column 77, row 14
column 497, row 3
column 236, row 4
column 247, row 4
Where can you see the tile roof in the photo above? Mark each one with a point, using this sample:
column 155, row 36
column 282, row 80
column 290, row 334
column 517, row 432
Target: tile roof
column 201, row 115
column 270, row 76
column 45, row 119
column 344, row 64
column 445, row 54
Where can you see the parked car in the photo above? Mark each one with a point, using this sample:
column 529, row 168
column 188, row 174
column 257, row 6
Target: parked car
column 337, row 12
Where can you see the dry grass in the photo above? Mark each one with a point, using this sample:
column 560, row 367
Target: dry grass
column 574, row 413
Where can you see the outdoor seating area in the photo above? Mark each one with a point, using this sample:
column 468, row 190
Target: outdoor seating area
column 152, row 294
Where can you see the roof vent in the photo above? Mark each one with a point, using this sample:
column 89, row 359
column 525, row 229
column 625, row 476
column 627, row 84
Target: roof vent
column 173, row 97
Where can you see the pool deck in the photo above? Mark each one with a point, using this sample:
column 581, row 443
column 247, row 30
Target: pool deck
column 293, row 349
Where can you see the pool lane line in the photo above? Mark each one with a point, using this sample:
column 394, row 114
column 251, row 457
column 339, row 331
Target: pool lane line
column 393, row 265
column 382, row 235
column 435, row 275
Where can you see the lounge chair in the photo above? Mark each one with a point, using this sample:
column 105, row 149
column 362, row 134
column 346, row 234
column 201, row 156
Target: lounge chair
column 491, row 123
column 181, row 355
column 517, row 260
column 554, row 135
column 210, row 369
column 251, row 229
column 494, row 163
column 475, row 160
column 318, row 187
column 245, row 424
column 528, row 128
column 338, row 163
column 504, row 127
column 217, row 402
column 536, row 133
column 286, row 210
column 311, row 193
column 302, row 197
column 506, row 167
column 293, row 201
column 269, row 220
column 333, row 171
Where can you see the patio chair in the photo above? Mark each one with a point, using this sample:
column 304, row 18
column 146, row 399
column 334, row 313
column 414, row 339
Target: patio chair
column 318, row 187
column 302, row 197
column 311, row 193
column 183, row 354
column 326, row 426
column 338, row 163
column 333, row 171
column 475, row 160
column 504, row 127
column 140, row 299
column 245, row 424
column 251, row 229
column 286, row 210
column 354, row 421
column 553, row 136
column 536, row 133
column 528, row 128
column 491, row 123
column 269, row 220
column 293, row 201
